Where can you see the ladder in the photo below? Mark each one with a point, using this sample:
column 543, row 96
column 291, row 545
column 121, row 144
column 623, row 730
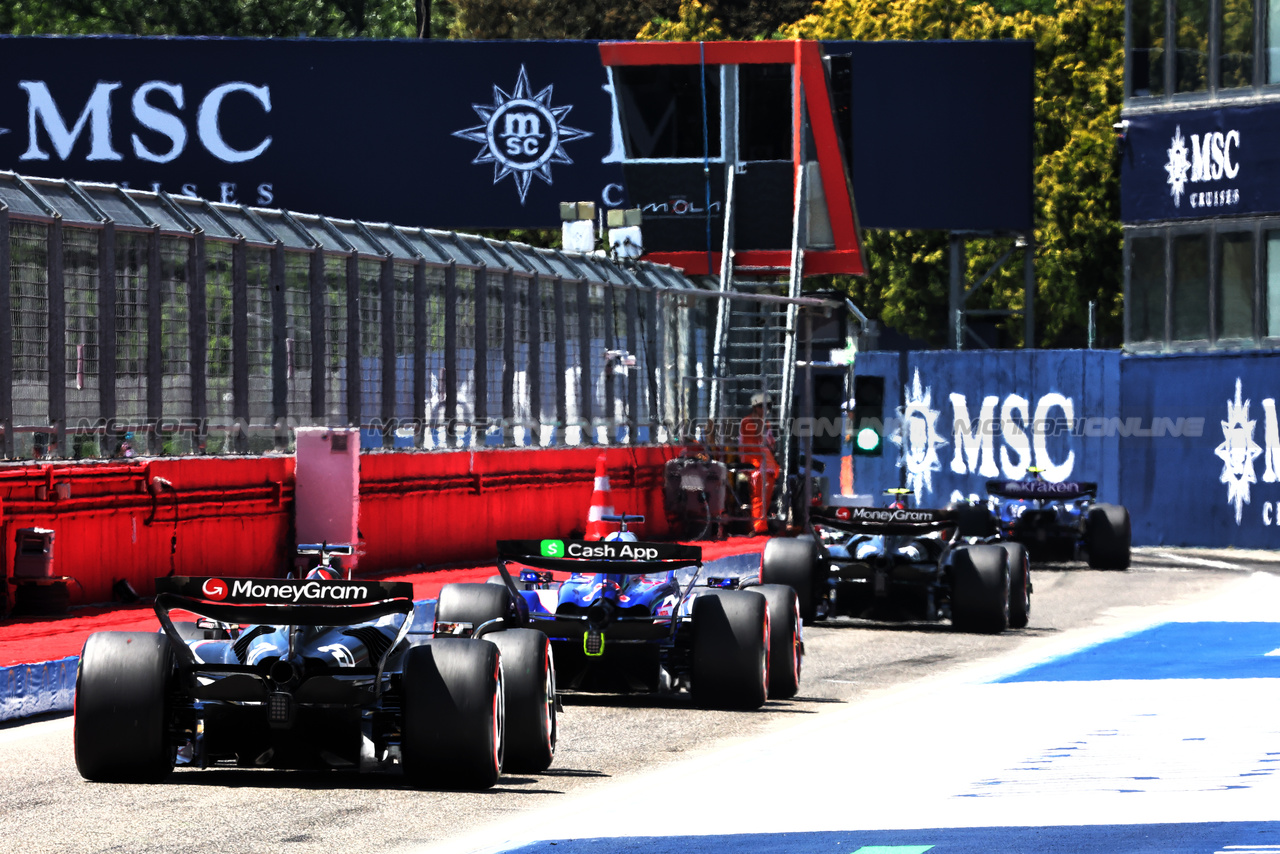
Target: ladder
column 755, row 342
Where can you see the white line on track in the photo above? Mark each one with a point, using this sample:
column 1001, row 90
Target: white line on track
column 1199, row 561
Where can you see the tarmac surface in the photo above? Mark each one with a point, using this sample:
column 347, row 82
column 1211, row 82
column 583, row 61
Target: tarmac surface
column 895, row 727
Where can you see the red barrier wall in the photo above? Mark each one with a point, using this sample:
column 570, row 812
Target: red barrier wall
column 425, row 508
column 118, row 520
column 234, row 516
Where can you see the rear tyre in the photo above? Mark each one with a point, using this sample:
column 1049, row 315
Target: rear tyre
column 794, row 563
column 1107, row 536
column 785, row 646
column 122, row 708
column 980, row 589
column 530, row 681
column 474, row 603
column 452, row 732
column 1019, row 584
column 730, row 650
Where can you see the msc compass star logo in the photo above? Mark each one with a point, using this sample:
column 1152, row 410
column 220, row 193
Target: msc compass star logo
column 917, row 437
column 1178, row 166
column 522, row 134
column 1238, row 452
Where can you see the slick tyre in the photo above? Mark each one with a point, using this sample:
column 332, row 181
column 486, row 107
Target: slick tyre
column 730, row 650
column 794, row 563
column 452, row 702
column 785, row 645
column 529, row 679
column 474, row 603
column 1107, row 536
column 1019, row 584
column 122, row 709
column 980, row 589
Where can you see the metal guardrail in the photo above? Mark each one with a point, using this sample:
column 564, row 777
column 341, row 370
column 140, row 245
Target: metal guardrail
column 147, row 323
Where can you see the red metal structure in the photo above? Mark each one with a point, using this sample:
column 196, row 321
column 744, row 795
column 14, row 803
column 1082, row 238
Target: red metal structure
column 812, row 110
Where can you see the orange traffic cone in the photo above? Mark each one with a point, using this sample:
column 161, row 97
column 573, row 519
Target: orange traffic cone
column 601, row 504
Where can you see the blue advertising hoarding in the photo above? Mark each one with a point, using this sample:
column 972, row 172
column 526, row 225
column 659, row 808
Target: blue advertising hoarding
column 1189, row 443
column 1219, row 488
column 959, row 419
column 1198, row 164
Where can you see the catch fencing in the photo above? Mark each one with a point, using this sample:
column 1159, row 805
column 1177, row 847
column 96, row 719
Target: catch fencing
column 145, row 323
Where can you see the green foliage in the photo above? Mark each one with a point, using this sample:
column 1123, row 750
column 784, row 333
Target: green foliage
column 593, row 19
column 1078, row 91
column 278, row 18
column 725, row 19
column 694, row 23
column 555, row 19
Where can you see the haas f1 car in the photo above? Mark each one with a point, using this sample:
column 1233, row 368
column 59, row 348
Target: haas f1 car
column 626, row 616
column 894, row 563
column 316, row 672
column 1052, row 520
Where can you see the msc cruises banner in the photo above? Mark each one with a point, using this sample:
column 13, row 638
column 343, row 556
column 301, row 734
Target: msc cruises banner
column 455, row 134
column 1199, row 164
column 447, row 134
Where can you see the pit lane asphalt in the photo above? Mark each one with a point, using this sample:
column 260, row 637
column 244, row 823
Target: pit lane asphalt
column 46, row 807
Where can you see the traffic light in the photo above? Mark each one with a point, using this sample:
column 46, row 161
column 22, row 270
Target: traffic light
column 868, row 416
column 828, row 412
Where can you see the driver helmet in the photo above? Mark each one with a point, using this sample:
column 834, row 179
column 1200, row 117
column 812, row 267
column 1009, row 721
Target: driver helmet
column 620, row 537
column 331, row 572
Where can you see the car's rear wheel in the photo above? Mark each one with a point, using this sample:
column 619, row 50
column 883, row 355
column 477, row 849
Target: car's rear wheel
column 530, row 681
column 980, row 589
column 730, row 650
column 453, row 728
column 122, row 708
column 1019, row 584
column 785, row 646
column 473, row 603
column 794, row 562
column 1107, row 536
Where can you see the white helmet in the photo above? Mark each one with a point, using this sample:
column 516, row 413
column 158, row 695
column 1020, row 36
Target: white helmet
column 620, row 537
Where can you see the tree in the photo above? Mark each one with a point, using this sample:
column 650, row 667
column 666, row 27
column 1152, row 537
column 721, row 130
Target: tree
column 1079, row 65
column 593, row 19
column 694, row 23
column 279, row 18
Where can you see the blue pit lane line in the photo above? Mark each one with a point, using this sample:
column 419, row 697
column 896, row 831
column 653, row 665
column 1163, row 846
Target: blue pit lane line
column 1207, row 838
column 1170, row 651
